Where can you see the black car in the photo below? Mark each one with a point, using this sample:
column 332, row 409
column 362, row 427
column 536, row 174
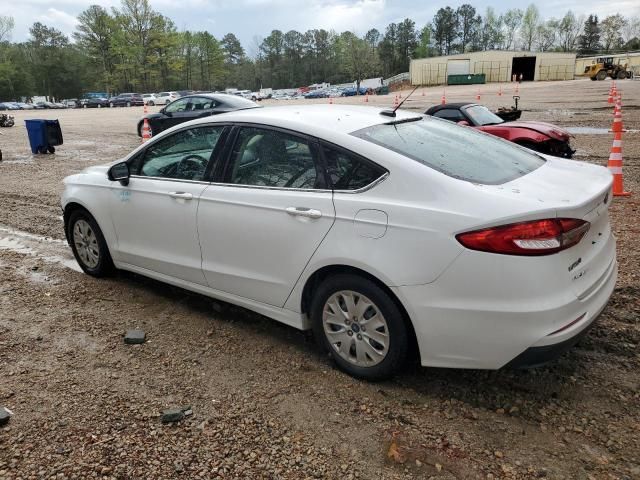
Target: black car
column 192, row 107
column 93, row 100
column 127, row 100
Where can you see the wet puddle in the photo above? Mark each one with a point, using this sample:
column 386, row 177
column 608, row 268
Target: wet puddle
column 27, row 243
column 592, row 131
column 587, row 130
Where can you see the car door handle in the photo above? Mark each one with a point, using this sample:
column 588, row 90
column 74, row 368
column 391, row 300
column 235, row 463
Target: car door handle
column 303, row 212
column 182, row 195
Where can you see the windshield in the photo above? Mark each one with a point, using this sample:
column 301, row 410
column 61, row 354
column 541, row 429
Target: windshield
column 458, row 152
column 481, row 115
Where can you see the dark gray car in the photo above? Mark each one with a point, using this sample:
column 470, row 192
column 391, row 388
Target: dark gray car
column 192, row 107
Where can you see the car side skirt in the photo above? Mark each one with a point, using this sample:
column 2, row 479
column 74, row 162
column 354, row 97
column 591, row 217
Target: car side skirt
column 288, row 317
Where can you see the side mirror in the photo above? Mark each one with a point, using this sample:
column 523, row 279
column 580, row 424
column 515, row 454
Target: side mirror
column 464, row 123
column 119, row 173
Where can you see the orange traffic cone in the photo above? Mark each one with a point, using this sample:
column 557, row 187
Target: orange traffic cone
column 500, row 91
column 330, row 100
column 366, row 98
column 443, row 99
column 478, row 94
column 146, row 131
column 615, row 166
column 617, row 117
column 146, row 110
column 610, row 97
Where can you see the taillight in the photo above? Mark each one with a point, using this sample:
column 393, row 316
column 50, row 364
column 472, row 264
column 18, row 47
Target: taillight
column 538, row 237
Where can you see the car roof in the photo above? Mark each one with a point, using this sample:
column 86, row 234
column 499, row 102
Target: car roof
column 437, row 108
column 310, row 118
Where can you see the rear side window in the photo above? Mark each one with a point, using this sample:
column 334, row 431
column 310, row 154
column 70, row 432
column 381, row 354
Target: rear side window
column 459, row 152
column 269, row 158
column 348, row 172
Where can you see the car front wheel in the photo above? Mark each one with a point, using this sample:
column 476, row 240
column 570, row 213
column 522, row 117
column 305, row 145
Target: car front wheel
column 361, row 326
column 88, row 244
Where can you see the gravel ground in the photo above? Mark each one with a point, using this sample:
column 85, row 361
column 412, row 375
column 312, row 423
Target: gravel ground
column 266, row 403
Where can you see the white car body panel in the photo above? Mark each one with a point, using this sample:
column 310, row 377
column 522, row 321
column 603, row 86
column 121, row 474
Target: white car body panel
column 469, row 309
column 261, row 250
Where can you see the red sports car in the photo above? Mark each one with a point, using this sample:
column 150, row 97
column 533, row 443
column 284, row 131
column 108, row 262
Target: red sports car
column 539, row 136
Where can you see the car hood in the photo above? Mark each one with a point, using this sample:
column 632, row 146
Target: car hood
column 547, row 129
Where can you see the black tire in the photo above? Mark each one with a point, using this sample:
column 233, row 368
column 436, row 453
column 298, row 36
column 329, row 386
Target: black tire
column 593, row 78
column 622, row 75
column 51, row 149
column 151, row 104
column 601, row 75
column 398, row 336
column 104, row 266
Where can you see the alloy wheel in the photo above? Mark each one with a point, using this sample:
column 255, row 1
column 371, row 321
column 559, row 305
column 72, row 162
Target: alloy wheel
column 355, row 328
column 86, row 243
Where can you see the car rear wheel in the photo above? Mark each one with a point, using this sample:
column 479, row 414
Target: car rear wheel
column 88, row 244
column 361, row 326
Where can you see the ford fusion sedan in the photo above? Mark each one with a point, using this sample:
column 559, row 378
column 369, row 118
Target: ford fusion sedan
column 385, row 233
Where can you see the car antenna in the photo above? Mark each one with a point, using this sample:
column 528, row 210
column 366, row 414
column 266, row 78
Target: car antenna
column 392, row 113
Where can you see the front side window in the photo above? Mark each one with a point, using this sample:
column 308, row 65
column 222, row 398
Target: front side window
column 457, row 152
column 184, row 155
column 349, row 172
column 177, row 106
column 268, row 158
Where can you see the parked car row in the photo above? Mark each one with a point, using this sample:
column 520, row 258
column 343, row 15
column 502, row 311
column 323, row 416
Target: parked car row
column 30, row 106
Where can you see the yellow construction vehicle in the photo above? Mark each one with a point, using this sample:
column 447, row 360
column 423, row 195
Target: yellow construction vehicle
column 604, row 67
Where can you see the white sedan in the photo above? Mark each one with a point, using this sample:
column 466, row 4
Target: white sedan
column 381, row 231
column 164, row 98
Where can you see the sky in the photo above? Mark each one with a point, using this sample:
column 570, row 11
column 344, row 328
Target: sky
column 252, row 20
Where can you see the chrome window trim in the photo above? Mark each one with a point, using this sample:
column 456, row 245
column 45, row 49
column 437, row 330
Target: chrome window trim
column 263, row 187
column 166, row 179
column 378, row 180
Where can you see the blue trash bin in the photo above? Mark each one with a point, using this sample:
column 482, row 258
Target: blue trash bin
column 44, row 135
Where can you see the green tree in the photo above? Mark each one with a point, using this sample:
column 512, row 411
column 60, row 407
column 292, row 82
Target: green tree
column 511, row 21
column 590, row 39
column 445, row 30
column 568, row 31
column 94, row 32
column 612, row 27
column 529, row 27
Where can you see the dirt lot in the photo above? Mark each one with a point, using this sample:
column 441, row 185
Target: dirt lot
column 266, row 402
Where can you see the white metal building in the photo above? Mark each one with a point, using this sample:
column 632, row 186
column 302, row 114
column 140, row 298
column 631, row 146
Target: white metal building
column 497, row 65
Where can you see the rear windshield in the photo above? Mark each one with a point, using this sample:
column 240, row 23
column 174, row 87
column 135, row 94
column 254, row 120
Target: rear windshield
column 459, row 152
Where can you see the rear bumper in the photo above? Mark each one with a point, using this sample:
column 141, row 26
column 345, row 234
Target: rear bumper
column 497, row 327
column 538, row 356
